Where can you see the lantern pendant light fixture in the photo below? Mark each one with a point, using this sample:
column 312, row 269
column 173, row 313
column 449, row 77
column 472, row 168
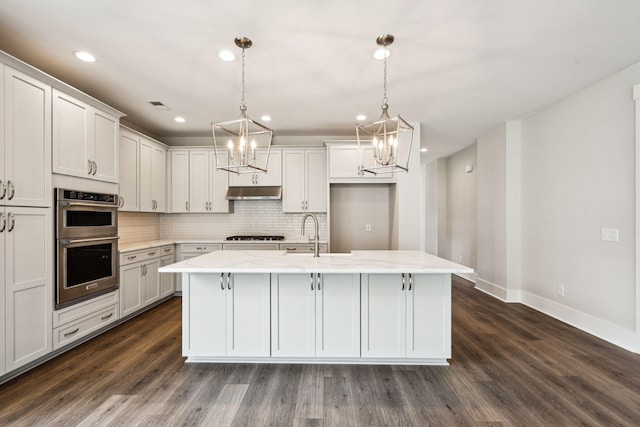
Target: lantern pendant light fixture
column 385, row 145
column 242, row 145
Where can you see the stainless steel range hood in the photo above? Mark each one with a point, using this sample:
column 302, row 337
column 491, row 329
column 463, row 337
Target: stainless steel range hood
column 254, row 193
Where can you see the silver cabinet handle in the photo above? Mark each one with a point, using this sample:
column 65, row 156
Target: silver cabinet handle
column 95, row 167
column 229, row 281
column 186, row 206
column 291, row 249
column 75, row 331
column 201, row 248
column 132, row 257
column 11, row 190
column 152, row 253
column 12, row 222
column 403, row 281
column 222, row 281
column 311, row 281
column 167, row 249
column 120, row 201
column 4, row 222
column 3, row 189
column 107, row 316
column 90, row 167
column 410, row 281
column 318, row 281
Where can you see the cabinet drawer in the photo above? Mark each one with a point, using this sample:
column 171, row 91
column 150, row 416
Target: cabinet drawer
column 85, row 308
column 203, row 248
column 73, row 331
column 302, row 247
column 167, row 250
column 141, row 255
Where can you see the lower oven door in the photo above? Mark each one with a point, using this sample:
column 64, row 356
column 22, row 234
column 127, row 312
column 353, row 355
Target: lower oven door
column 86, row 268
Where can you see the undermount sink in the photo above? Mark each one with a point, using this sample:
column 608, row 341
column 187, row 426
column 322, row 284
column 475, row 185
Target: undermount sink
column 322, row 255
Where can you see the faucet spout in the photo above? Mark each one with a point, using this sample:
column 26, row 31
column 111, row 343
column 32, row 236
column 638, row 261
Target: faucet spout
column 316, row 242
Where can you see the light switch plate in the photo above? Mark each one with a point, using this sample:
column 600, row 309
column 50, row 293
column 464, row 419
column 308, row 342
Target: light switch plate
column 610, row 234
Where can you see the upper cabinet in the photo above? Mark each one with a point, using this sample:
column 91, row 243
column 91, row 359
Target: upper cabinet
column 25, row 140
column 272, row 178
column 304, row 180
column 196, row 185
column 143, row 164
column 85, row 140
column 345, row 158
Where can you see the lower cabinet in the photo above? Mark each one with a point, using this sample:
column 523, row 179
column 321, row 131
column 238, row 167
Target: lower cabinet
column 315, row 315
column 192, row 250
column 406, row 316
column 167, row 280
column 140, row 282
column 226, row 315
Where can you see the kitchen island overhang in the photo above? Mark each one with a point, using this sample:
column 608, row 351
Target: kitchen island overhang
column 365, row 307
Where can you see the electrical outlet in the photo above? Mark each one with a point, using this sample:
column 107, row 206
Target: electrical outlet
column 561, row 290
column 367, row 227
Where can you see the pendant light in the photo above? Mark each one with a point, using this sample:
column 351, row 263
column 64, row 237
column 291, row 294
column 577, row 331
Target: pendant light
column 242, row 145
column 385, row 145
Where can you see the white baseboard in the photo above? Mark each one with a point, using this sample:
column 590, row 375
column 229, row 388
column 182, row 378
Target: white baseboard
column 497, row 291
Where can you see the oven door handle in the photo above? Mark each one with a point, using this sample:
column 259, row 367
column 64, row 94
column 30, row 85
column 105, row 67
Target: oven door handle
column 93, row 239
column 86, row 205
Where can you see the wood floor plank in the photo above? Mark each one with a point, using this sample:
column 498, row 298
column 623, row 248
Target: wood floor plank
column 510, row 366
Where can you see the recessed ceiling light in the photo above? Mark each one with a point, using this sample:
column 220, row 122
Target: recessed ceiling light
column 179, row 119
column 361, row 117
column 226, row 55
column 84, row 56
column 424, row 150
column 381, row 52
column 266, row 118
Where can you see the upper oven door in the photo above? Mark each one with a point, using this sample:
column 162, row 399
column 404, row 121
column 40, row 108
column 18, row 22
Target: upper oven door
column 80, row 220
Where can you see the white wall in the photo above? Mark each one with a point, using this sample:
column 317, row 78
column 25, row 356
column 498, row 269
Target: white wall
column 576, row 166
column 461, row 208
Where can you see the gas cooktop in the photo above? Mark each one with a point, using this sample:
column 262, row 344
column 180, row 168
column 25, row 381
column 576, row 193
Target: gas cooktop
column 255, row 238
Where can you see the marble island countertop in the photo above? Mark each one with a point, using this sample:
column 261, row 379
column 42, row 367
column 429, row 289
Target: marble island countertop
column 375, row 262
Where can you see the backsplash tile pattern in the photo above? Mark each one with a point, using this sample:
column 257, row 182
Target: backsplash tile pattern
column 249, row 217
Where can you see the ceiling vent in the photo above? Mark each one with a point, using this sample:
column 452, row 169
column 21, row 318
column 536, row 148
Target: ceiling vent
column 159, row 105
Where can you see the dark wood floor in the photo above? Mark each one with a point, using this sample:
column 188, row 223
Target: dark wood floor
column 511, row 366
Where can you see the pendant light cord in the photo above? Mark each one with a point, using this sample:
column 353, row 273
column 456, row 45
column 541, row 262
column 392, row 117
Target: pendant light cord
column 243, row 107
column 385, row 100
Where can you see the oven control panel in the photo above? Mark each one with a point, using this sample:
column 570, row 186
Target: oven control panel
column 73, row 195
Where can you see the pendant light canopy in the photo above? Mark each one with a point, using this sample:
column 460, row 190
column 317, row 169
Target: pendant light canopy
column 242, row 145
column 385, row 145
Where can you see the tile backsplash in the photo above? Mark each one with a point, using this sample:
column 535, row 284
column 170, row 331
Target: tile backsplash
column 249, row 217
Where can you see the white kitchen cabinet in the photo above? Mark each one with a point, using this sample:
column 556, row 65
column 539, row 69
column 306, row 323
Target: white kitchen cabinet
column 304, row 180
column 302, row 248
column 227, row 315
column 179, row 181
column 140, row 282
column 315, row 315
column 192, row 250
column 344, row 162
column 272, row 178
column 129, row 199
column 152, row 173
column 26, row 283
column 406, row 316
column 167, row 280
column 85, row 140
column 25, row 140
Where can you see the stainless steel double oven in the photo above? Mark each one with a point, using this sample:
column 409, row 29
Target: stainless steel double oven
column 86, row 245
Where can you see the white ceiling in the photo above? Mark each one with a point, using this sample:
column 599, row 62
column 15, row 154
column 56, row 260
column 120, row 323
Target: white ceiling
column 460, row 67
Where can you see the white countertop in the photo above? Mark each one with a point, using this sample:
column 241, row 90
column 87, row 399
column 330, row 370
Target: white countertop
column 136, row 246
column 280, row 262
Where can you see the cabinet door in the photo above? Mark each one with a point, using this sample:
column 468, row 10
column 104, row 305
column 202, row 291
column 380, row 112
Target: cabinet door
column 293, row 315
column 316, row 181
column 248, row 315
column 429, row 316
column 27, row 139
column 159, row 178
column 218, row 184
column 199, row 181
column 146, row 177
column 293, row 174
column 130, row 289
column 273, row 176
column 128, row 172
column 383, row 315
column 338, row 315
column 203, row 315
column 105, row 146
column 3, row 288
column 29, row 285
column 151, row 282
column 343, row 161
column 179, row 181
column 166, row 279
column 70, row 134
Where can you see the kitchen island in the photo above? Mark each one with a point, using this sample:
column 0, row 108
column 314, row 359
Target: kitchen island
column 365, row 307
